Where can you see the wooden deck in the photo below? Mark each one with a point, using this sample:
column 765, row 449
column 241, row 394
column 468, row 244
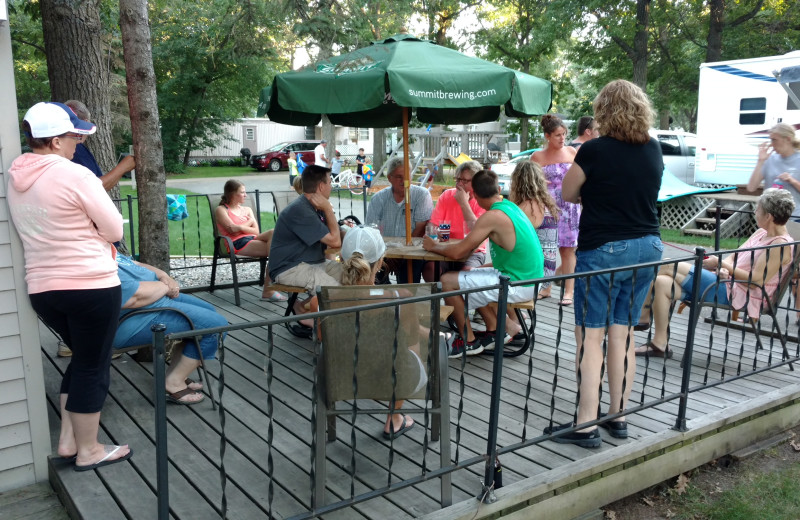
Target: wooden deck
column 560, row 480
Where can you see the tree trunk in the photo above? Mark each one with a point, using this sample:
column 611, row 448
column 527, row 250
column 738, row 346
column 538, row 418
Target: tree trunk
column 378, row 147
column 716, row 22
column 640, row 43
column 142, row 102
column 75, row 51
column 524, row 131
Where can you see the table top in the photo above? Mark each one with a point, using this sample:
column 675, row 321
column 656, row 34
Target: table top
column 396, row 248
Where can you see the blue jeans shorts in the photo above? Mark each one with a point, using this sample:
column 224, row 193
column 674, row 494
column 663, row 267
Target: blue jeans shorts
column 601, row 300
column 706, row 279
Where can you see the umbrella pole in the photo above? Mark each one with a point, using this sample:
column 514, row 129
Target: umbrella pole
column 407, row 190
column 407, row 177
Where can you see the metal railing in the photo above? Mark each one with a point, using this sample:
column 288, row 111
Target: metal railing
column 652, row 381
column 195, row 235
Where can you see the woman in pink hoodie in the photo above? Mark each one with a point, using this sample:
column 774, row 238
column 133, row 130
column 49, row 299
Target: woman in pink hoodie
column 68, row 224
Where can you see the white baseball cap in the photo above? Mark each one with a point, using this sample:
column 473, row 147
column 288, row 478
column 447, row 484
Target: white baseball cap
column 52, row 119
column 367, row 241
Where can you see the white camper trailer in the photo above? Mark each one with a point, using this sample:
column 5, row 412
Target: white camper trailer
column 738, row 102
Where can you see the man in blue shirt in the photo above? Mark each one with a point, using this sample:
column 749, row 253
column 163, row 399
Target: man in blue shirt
column 84, row 157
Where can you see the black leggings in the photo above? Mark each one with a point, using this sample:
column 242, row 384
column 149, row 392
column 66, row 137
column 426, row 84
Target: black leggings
column 86, row 320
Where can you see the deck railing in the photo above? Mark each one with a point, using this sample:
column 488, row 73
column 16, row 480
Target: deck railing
column 361, row 479
column 191, row 239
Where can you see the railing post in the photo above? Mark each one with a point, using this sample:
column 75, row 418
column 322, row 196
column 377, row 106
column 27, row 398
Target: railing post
column 718, row 222
column 686, row 362
column 487, row 492
column 364, row 199
column 162, row 471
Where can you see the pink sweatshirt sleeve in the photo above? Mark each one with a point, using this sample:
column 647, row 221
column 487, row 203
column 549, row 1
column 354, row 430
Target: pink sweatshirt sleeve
column 100, row 209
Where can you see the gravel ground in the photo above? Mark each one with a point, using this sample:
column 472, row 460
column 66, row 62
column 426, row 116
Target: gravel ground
column 188, row 273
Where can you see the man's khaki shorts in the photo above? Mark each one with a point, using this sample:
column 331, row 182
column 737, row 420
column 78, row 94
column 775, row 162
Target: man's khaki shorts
column 312, row 275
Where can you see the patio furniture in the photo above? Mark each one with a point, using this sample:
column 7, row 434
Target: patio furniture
column 770, row 309
column 294, row 291
column 514, row 350
column 223, row 247
column 281, row 199
column 379, row 354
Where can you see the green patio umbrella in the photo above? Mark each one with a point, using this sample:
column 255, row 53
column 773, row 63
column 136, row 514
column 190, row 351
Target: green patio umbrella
column 378, row 85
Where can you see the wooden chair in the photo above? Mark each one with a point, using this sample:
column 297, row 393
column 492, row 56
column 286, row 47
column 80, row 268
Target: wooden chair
column 148, row 347
column 223, row 247
column 375, row 371
column 770, row 309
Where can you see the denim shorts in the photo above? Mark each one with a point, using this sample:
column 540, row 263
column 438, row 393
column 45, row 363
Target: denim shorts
column 706, row 279
column 239, row 243
column 601, row 300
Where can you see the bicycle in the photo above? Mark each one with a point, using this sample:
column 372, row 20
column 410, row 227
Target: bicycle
column 350, row 180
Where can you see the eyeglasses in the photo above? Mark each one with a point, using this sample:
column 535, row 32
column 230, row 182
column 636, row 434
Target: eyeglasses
column 463, row 179
column 78, row 138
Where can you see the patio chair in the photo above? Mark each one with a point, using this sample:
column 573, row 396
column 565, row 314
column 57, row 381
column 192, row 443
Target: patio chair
column 357, row 361
column 148, row 347
column 223, row 248
column 770, row 307
column 281, row 199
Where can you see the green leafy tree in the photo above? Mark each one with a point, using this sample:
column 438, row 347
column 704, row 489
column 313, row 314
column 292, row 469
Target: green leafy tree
column 211, row 58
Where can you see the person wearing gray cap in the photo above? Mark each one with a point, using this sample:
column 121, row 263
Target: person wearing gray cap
column 319, row 154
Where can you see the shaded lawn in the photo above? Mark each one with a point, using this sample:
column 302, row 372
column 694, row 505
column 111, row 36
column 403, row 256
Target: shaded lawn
column 191, row 237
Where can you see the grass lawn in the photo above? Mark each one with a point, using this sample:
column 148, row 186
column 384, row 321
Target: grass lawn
column 674, row 236
column 192, row 236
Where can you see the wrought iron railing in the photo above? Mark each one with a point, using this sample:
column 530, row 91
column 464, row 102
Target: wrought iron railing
column 652, row 389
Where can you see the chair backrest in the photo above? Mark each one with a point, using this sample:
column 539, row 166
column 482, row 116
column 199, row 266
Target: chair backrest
column 787, row 272
column 282, row 199
column 376, row 332
column 213, row 203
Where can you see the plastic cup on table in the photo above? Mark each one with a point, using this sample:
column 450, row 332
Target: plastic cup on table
column 444, row 231
column 432, row 230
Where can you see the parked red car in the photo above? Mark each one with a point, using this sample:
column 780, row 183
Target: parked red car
column 275, row 158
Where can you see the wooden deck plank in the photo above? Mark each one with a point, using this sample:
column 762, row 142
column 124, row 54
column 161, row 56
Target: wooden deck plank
column 194, row 431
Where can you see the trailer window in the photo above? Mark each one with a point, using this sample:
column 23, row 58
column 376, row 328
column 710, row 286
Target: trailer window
column 752, row 111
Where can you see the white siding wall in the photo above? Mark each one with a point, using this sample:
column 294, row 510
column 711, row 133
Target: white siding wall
column 24, row 431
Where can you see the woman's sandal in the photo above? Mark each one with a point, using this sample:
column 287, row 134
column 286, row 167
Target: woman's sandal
column 649, row 349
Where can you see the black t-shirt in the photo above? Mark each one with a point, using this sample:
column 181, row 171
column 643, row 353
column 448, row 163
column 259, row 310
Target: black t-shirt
column 620, row 193
column 361, row 159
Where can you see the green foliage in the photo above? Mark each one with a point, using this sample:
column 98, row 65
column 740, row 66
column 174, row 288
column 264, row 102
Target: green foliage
column 30, row 61
column 211, row 58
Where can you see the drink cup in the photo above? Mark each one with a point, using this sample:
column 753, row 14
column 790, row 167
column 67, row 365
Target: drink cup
column 432, row 230
column 444, row 231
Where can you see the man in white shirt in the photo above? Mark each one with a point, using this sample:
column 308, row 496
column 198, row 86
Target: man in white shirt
column 319, row 154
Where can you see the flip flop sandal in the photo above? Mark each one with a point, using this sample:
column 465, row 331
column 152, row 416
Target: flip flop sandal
column 189, row 382
column 403, row 429
column 541, row 296
column 275, row 297
column 175, row 397
column 105, row 460
column 641, row 326
column 653, row 351
column 566, row 302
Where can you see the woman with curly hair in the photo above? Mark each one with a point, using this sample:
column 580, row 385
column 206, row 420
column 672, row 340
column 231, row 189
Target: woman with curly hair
column 529, row 192
column 555, row 160
column 616, row 177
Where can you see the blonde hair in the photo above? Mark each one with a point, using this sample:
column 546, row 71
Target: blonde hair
column 297, row 184
column 528, row 183
column 357, row 271
column 787, row 131
column 624, row 112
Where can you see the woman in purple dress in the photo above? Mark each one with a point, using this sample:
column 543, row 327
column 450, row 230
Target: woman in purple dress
column 555, row 160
